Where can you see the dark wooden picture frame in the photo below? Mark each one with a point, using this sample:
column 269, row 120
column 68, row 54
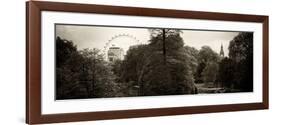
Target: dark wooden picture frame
column 33, row 62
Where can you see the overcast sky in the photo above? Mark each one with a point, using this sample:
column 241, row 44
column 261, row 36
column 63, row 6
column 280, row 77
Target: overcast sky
column 97, row 37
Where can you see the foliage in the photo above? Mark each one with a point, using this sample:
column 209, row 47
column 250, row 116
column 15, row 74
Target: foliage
column 192, row 55
column 116, row 69
column 241, row 52
column 226, row 73
column 198, row 73
column 99, row 77
column 146, row 68
column 206, row 54
column 241, row 47
column 159, row 36
column 81, row 74
column 207, row 65
column 67, row 73
column 165, row 66
column 210, row 72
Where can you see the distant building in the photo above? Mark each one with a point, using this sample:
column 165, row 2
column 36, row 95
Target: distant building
column 115, row 53
column 221, row 52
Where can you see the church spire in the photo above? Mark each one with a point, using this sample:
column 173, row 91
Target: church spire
column 222, row 52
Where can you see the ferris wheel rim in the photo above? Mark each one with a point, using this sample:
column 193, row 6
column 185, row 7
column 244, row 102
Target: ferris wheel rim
column 118, row 36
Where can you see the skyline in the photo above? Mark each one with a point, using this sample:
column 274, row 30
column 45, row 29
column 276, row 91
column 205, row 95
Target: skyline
column 97, row 37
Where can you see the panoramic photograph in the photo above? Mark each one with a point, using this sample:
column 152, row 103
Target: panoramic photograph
column 114, row 61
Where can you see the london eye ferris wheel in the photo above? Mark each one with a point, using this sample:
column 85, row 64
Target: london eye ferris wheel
column 122, row 41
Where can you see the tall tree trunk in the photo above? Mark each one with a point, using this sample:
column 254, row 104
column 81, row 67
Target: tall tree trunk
column 164, row 46
column 85, row 80
column 93, row 79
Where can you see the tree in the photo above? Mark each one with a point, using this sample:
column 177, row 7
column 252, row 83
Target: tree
column 135, row 65
column 241, row 52
column 198, row 74
column 67, row 70
column 207, row 65
column 116, row 69
column 241, row 47
column 177, row 72
column 82, row 74
column 210, row 72
column 64, row 50
column 99, row 78
column 161, row 35
column 192, row 55
column 155, row 76
column 206, row 54
column 226, row 73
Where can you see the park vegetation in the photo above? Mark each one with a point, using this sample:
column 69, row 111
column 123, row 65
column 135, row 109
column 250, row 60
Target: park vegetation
column 164, row 66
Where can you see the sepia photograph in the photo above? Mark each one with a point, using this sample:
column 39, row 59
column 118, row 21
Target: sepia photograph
column 94, row 61
column 100, row 62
